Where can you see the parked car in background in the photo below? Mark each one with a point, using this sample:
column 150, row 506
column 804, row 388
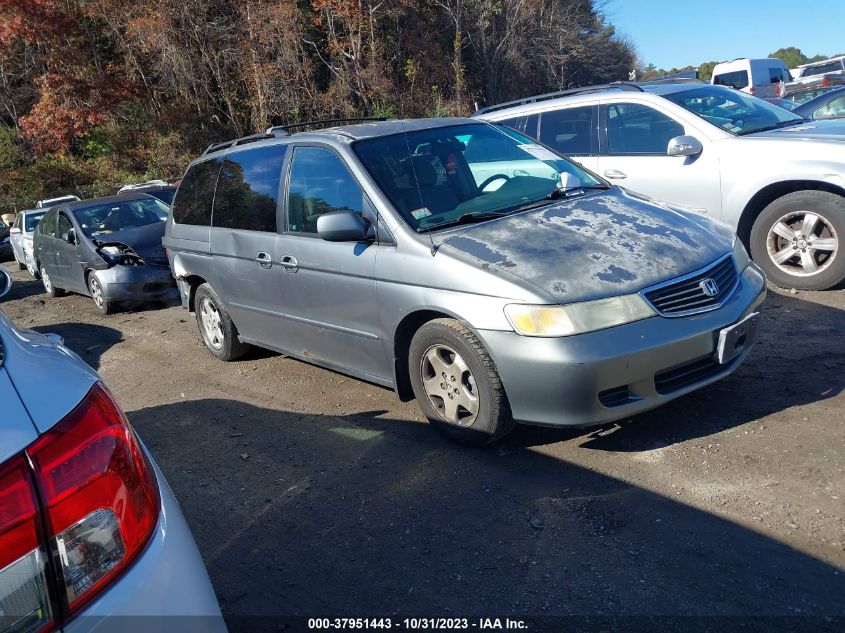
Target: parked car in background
column 462, row 264
column 828, row 105
column 775, row 177
column 157, row 188
column 815, row 77
column 52, row 202
column 21, row 238
column 88, row 525
column 107, row 248
column 759, row 77
column 786, row 104
column 6, row 251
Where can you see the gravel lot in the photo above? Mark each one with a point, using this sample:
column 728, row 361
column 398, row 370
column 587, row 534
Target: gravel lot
column 314, row 494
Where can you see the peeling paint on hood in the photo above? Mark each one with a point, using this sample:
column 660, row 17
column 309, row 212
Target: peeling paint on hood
column 595, row 246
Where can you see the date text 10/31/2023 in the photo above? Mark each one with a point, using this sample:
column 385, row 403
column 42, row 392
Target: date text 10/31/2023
column 417, row 624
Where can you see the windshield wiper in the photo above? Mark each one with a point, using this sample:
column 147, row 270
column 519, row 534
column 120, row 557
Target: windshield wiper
column 466, row 218
column 775, row 126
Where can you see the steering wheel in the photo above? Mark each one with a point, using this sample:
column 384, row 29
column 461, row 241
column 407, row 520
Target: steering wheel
column 491, row 179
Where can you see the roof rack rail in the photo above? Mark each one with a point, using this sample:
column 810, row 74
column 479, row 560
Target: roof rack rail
column 284, row 130
column 252, row 138
column 670, row 80
column 630, row 87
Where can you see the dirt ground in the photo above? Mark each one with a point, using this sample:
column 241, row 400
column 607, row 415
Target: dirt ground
column 314, row 494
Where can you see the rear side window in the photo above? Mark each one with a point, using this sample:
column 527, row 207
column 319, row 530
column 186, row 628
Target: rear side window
column 195, row 196
column 776, row 75
column 633, row 128
column 737, row 79
column 248, row 188
column 525, row 124
column 319, row 183
column 832, row 67
column 572, row 131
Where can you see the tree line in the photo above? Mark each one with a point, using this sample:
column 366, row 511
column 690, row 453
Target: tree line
column 95, row 93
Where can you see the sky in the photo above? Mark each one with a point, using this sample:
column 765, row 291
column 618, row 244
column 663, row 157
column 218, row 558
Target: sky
column 678, row 33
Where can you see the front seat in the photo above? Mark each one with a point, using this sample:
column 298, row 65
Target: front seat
column 437, row 198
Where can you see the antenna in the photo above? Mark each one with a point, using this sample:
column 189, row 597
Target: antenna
column 414, row 170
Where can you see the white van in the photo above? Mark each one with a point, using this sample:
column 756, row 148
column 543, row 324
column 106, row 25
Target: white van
column 758, row 77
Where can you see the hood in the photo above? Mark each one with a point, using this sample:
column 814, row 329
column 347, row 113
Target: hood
column 824, row 130
column 144, row 240
column 595, row 246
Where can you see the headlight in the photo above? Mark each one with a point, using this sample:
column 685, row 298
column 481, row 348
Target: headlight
column 577, row 318
column 114, row 251
column 740, row 255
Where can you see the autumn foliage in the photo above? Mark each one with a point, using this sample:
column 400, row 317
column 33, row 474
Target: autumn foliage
column 116, row 89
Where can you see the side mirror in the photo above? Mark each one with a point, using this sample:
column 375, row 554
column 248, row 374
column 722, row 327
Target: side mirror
column 69, row 237
column 684, row 146
column 343, row 226
column 5, row 282
column 14, row 231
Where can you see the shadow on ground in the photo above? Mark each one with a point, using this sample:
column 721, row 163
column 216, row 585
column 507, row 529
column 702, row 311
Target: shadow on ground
column 795, row 362
column 89, row 341
column 364, row 516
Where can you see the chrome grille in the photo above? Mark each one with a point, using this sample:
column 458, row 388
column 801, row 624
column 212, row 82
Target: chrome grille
column 686, row 295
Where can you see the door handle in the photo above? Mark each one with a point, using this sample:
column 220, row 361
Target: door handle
column 290, row 264
column 264, row 260
column 615, row 174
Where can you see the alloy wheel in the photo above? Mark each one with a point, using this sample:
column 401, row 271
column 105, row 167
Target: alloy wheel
column 212, row 323
column 97, row 292
column 449, row 385
column 802, row 243
column 45, row 279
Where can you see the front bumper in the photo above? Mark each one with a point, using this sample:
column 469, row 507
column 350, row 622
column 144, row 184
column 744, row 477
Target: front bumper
column 138, row 284
column 558, row 381
column 166, row 589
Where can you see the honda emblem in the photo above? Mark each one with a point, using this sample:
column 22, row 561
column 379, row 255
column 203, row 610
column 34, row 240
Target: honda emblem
column 709, row 287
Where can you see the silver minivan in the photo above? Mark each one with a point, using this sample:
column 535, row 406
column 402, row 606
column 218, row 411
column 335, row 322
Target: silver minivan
column 462, row 264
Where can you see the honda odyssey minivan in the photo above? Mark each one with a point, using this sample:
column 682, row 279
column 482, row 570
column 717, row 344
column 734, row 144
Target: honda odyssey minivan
column 462, row 264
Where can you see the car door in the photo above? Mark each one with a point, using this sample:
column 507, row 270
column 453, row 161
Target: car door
column 633, row 154
column 327, row 290
column 43, row 241
column 244, row 225
column 16, row 238
column 68, row 272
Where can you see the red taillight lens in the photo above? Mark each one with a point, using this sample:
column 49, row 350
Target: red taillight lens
column 99, row 493
column 826, row 82
column 752, row 90
column 23, row 593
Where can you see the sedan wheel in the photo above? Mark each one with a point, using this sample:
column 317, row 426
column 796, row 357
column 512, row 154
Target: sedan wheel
column 49, row 288
column 449, row 385
column 30, row 266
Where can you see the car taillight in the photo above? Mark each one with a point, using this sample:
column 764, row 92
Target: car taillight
column 752, row 90
column 23, row 588
column 100, row 497
column 83, row 497
column 826, row 82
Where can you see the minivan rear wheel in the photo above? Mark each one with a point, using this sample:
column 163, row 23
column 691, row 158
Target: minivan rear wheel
column 456, row 384
column 797, row 240
column 216, row 327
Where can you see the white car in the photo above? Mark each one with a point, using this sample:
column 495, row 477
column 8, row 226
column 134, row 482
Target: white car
column 758, row 77
column 52, row 202
column 20, row 236
column 777, row 179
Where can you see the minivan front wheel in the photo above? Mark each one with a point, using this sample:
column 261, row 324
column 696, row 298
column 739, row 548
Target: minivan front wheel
column 215, row 325
column 797, row 240
column 456, row 384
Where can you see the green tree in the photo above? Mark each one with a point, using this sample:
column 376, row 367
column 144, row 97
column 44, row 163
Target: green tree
column 705, row 71
column 791, row 56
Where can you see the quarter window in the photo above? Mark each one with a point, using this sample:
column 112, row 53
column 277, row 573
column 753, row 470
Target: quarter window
column 637, row 129
column 319, row 183
column 571, row 131
column 248, row 189
column 737, row 79
column 195, row 195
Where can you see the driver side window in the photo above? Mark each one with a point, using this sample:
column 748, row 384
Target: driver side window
column 319, row 183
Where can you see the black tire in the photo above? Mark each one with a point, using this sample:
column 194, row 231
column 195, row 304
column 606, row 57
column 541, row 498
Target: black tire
column 792, row 208
column 492, row 419
column 226, row 346
column 95, row 289
column 49, row 287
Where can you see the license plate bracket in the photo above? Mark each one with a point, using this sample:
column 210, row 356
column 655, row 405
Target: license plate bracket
column 735, row 339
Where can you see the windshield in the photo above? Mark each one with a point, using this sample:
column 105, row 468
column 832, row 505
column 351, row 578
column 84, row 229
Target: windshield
column 733, row 111
column 440, row 176
column 102, row 219
column 31, row 220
